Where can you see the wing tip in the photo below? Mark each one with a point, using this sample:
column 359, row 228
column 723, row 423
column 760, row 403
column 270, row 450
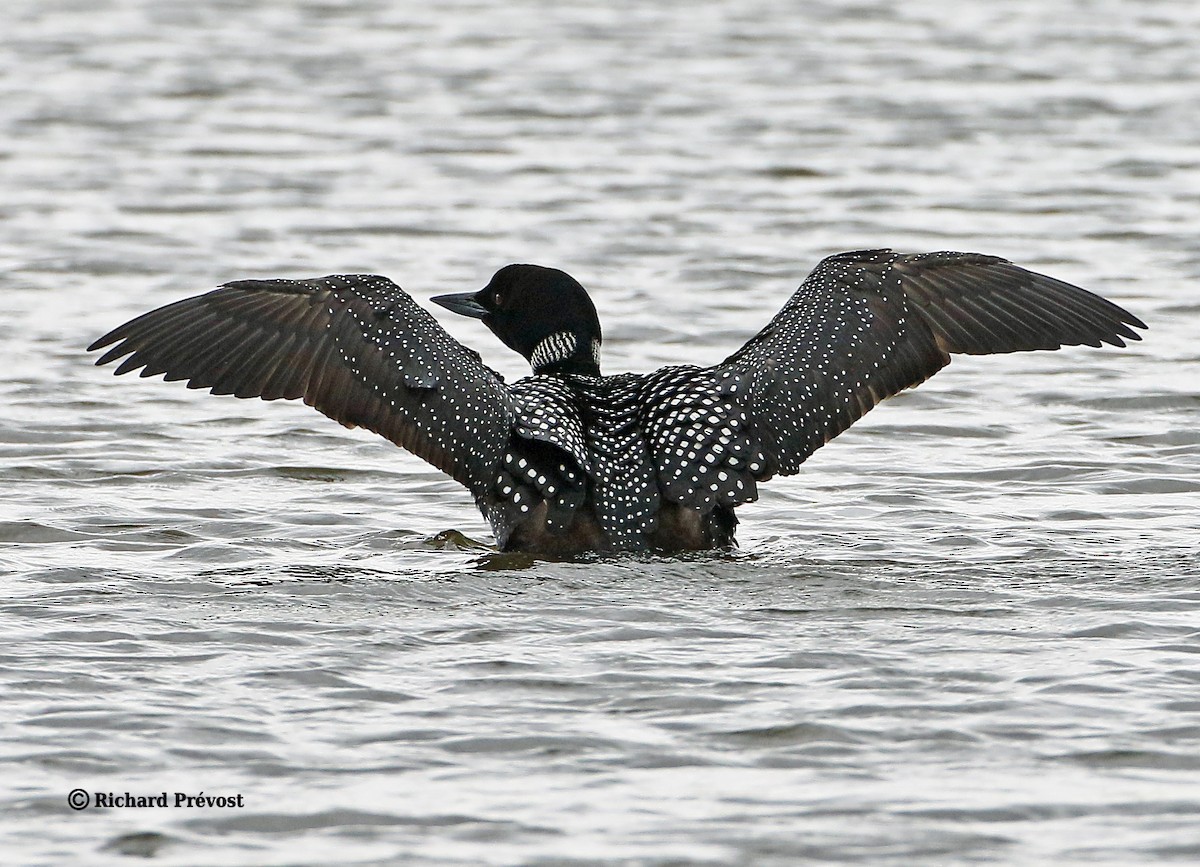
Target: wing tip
column 114, row 352
column 105, row 340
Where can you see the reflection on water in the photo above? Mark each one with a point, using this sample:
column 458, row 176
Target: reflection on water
column 966, row 632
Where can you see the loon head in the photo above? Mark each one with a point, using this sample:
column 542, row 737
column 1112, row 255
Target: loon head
column 542, row 313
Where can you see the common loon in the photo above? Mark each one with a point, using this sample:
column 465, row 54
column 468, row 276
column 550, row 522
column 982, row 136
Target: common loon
column 569, row 460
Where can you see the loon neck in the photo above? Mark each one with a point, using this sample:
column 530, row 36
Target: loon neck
column 566, row 352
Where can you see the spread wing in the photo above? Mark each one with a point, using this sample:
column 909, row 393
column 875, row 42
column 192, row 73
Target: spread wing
column 355, row 347
column 865, row 325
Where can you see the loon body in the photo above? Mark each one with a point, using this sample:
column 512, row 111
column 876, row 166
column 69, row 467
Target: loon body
column 568, row 460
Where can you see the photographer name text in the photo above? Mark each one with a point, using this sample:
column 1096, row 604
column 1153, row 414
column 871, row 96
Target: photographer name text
column 81, row 799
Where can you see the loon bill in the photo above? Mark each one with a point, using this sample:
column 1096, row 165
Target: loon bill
column 569, row 460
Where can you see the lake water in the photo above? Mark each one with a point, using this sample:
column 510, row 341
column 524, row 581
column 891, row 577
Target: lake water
column 967, row 632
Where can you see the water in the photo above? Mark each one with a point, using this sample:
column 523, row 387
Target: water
column 966, row 633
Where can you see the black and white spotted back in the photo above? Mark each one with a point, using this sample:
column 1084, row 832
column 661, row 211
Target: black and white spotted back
column 678, row 437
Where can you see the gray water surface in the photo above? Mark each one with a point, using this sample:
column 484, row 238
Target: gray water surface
column 967, row 632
